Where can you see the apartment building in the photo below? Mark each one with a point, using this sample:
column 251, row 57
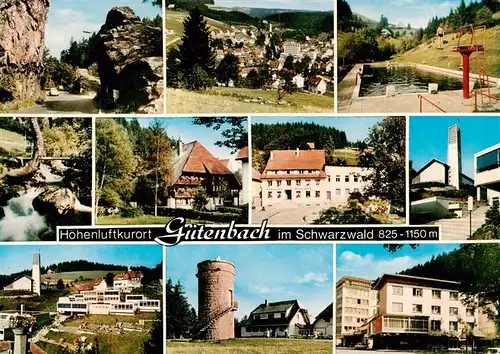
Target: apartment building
column 411, row 309
column 355, row 305
column 487, row 173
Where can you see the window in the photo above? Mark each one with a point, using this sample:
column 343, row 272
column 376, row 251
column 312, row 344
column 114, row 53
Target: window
column 298, row 182
column 329, row 178
column 417, row 292
column 278, row 195
column 270, row 183
column 436, row 310
column 454, row 295
column 435, row 325
column 287, row 172
column 417, row 308
column 308, row 182
column 453, row 311
column 356, row 178
column 347, row 192
column 436, row 294
column 288, row 183
column 297, row 194
column 453, row 326
column 277, row 315
column 469, row 312
column 264, row 317
column 397, row 307
column 318, row 194
column 337, row 192
column 318, row 182
column 337, row 178
column 308, row 194
column 346, row 178
column 278, row 183
column 397, row 290
column 269, row 194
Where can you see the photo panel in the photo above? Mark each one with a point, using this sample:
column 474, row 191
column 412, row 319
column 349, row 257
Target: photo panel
column 417, row 56
column 231, row 302
column 416, row 297
column 152, row 170
column 78, row 58
column 45, row 176
column 86, row 299
column 455, row 176
column 250, row 57
column 329, row 170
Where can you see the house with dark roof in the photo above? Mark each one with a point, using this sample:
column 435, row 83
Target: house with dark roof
column 278, row 319
column 195, row 168
column 323, row 323
column 438, row 171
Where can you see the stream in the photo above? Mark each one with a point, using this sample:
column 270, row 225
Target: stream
column 21, row 221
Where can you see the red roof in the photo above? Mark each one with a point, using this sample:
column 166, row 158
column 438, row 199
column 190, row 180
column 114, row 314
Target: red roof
column 242, row 154
column 256, row 175
column 296, row 160
column 316, row 80
column 200, row 160
column 88, row 286
column 128, row 275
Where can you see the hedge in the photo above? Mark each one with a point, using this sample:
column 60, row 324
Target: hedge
column 224, row 218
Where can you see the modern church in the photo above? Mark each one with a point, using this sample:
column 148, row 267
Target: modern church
column 449, row 173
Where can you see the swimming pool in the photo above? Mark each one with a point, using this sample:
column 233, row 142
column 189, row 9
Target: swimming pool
column 406, row 79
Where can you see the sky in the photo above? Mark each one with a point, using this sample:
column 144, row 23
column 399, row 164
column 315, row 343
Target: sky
column 356, row 128
column 317, row 5
column 416, row 12
column 14, row 259
column 184, row 128
column 272, row 272
column 69, row 18
column 478, row 133
column 371, row 261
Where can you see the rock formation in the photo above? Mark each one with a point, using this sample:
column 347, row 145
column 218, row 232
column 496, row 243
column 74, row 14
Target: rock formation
column 84, row 83
column 22, row 44
column 57, row 201
column 130, row 63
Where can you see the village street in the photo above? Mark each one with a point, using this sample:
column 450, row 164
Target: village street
column 65, row 102
column 288, row 213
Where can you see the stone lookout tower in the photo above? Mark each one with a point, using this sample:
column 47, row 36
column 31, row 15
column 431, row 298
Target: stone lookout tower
column 216, row 303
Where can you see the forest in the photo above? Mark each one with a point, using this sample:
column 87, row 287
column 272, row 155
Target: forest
column 306, row 23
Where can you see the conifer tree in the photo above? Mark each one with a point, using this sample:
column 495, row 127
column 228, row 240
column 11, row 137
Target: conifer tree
column 195, row 53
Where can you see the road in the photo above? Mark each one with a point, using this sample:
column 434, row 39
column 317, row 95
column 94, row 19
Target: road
column 288, row 213
column 64, row 103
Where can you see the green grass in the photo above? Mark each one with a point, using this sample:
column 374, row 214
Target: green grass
column 46, row 302
column 142, row 220
column 11, row 141
column 231, row 100
column 427, row 53
column 73, row 276
column 109, row 320
column 350, row 155
column 126, row 343
column 252, row 346
column 50, row 348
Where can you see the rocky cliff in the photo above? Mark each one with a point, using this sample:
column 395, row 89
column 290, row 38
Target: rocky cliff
column 22, row 44
column 130, row 62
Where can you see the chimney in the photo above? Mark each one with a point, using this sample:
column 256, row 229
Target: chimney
column 271, row 156
column 297, row 152
column 266, row 303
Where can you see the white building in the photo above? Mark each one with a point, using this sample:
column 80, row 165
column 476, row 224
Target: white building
column 410, row 307
column 299, row 81
column 355, row 304
column 449, row 173
column 128, row 281
column 22, row 283
column 106, row 302
column 301, row 176
column 278, row 319
column 323, row 323
column 291, row 48
column 33, row 283
column 487, row 173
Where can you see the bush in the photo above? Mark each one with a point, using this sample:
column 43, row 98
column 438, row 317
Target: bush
column 131, row 212
column 200, row 200
column 230, row 210
column 353, row 216
column 223, row 218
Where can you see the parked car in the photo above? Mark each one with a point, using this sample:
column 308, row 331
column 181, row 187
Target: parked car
column 492, row 351
column 360, row 346
column 54, row 92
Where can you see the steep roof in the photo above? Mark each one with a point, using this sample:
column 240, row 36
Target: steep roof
column 272, row 307
column 326, row 314
column 88, row 286
column 430, row 163
column 256, row 175
column 277, row 307
column 290, row 160
column 195, row 158
column 242, row 154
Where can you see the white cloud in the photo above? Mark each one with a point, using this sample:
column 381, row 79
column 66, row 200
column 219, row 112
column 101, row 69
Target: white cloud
column 64, row 24
column 368, row 267
column 315, row 278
